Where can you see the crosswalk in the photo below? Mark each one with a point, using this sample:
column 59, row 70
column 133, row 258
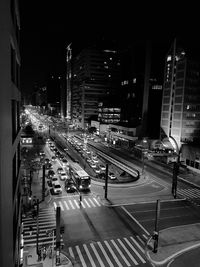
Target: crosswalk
column 120, row 252
column 46, row 222
column 192, row 194
column 74, row 203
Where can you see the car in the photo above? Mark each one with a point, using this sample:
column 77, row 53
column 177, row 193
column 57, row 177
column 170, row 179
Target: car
column 112, row 176
column 97, row 169
column 93, row 165
column 46, row 161
column 54, row 179
column 65, row 162
column 53, row 158
column 88, row 160
column 102, row 175
column 96, row 160
column 102, row 167
column 48, row 166
column 50, row 174
column 94, row 156
column 63, row 176
column 59, row 170
column 70, row 186
column 57, row 189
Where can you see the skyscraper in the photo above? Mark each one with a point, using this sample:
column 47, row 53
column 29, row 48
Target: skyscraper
column 181, row 96
column 92, row 74
column 10, row 97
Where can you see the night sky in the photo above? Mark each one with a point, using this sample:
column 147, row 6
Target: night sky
column 48, row 26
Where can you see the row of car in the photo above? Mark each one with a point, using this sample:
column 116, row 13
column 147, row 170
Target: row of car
column 91, row 158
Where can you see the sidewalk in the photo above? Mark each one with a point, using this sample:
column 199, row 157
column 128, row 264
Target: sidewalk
column 31, row 259
column 173, row 242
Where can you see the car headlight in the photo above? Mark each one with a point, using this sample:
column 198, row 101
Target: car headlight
column 89, row 185
column 80, row 186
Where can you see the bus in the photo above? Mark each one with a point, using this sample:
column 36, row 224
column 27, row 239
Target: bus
column 80, row 177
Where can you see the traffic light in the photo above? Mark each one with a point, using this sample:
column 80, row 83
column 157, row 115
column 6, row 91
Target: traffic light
column 62, row 229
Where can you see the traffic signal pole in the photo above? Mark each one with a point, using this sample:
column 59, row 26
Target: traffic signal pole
column 43, row 183
column 156, row 231
column 106, row 181
column 57, row 236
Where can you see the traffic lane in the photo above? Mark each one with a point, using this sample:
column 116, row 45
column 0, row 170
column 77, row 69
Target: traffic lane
column 169, row 216
column 189, row 258
column 101, row 223
column 130, row 193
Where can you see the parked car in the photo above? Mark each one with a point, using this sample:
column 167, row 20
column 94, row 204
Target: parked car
column 54, row 179
column 70, row 186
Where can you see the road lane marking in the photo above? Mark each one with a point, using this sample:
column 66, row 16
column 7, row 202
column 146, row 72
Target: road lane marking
column 89, row 255
column 67, row 207
column 121, row 253
column 81, row 256
column 87, row 203
column 97, row 255
column 71, row 204
column 129, row 254
column 77, row 205
column 92, row 202
column 97, row 202
column 71, row 252
column 130, row 245
column 136, row 243
column 113, row 254
column 105, row 254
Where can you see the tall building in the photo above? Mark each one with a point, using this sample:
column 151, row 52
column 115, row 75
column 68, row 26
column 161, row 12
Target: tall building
column 10, row 97
column 180, row 112
column 91, row 75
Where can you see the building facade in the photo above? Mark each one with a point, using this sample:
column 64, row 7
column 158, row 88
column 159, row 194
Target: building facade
column 10, row 97
column 91, row 76
column 180, row 114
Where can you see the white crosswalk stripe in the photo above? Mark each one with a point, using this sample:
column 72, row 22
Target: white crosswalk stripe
column 192, row 193
column 72, row 204
column 126, row 251
column 46, row 222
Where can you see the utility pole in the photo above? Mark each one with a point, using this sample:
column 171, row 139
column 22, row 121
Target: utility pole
column 57, row 236
column 37, row 230
column 175, row 174
column 156, row 231
column 106, row 181
column 43, row 183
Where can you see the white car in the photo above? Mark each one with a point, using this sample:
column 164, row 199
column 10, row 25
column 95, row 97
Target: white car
column 102, row 167
column 111, row 176
column 57, row 189
column 63, row 176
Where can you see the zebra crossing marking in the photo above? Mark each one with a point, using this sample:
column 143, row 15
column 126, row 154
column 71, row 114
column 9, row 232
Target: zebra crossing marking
column 97, row 202
column 81, row 256
column 87, row 203
column 71, row 204
column 75, row 204
column 97, row 255
column 61, row 206
column 139, row 256
column 113, row 254
column 89, row 256
column 105, row 254
column 125, row 251
column 136, row 243
column 67, row 207
column 121, row 253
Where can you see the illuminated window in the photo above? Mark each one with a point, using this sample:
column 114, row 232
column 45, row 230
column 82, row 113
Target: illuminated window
column 134, row 80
